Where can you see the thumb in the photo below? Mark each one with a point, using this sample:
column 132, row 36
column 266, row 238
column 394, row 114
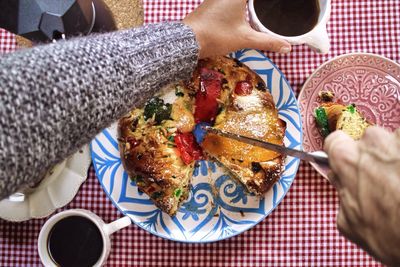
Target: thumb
column 266, row 42
column 335, row 140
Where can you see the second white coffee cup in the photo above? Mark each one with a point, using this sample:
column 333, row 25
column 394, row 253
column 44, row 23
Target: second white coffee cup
column 106, row 230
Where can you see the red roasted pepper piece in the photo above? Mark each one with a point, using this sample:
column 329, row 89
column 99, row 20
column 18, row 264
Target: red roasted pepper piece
column 206, row 98
column 243, row 88
column 188, row 148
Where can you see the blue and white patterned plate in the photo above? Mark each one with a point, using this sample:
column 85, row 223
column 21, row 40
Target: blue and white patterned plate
column 217, row 207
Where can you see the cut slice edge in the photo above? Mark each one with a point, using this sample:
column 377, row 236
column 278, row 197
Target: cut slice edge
column 267, row 175
column 345, row 118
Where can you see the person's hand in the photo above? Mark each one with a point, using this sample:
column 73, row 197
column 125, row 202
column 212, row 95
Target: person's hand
column 367, row 176
column 221, row 27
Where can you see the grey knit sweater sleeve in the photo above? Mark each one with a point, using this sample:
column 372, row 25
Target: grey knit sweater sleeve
column 57, row 97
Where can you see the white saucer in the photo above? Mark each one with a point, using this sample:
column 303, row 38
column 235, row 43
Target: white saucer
column 56, row 190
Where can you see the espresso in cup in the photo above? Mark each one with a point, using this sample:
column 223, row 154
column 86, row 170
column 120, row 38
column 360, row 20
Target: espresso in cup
column 75, row 241
column 77, row 238
column 296, row 21
column 288, row 17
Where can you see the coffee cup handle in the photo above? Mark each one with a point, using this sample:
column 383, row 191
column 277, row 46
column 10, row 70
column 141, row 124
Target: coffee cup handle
column 319, row 40
column 117, row 225
column 17, row 197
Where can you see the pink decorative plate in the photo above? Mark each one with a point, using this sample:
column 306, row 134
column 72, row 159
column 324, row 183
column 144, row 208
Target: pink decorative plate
column 370, row 81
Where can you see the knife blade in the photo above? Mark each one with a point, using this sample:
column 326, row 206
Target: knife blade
column 318, row 157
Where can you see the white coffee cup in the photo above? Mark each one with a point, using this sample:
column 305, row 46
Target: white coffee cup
column 105, row 229
column 317, row 39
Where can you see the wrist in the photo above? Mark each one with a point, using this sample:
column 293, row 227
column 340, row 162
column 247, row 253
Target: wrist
column 199, row 34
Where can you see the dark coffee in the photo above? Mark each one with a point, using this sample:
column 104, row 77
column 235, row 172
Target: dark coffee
column 75, row 241
column 288, row 17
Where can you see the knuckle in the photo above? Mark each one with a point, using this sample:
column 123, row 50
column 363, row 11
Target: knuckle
column 340, row 152
column 379, row 139
column 373, row 133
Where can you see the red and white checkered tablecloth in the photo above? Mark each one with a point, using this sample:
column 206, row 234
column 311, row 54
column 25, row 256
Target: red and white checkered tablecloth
column 302, row 230
column 7, row 42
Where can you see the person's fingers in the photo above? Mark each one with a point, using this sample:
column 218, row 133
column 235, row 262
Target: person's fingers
column 332, row 138
column 343, row 156
column 340, row 147
column 263, row 41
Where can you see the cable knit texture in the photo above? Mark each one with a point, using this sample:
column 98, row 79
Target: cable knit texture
column 55, row 98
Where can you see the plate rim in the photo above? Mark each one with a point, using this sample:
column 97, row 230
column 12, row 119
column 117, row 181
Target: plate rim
column 296, row 164
column 81, row 170
column 319, row 68
column 339, row 57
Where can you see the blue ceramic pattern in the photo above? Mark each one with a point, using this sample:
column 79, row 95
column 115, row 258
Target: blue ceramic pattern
column 217, row 207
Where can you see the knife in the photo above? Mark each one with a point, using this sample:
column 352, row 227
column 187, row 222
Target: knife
column 319, row 157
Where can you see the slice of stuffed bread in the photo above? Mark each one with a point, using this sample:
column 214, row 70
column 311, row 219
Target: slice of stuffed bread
column 246, row 108
column 332, row 115
column 148, row 145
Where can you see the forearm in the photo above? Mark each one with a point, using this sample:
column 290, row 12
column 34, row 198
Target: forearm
column 55, row 98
